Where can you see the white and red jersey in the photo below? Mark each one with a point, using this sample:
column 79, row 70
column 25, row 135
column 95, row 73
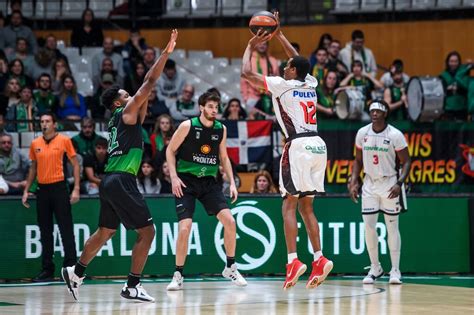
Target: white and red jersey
column 294, row 103
column 379, row 150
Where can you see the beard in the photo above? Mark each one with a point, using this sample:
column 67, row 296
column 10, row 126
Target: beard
column 209, row 117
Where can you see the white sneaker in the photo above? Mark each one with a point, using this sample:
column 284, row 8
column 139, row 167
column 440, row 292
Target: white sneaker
column 395, row 276
column 73, row 282
column 136, row 293
column 177, row 283
column 375, row 272
column 233, row 274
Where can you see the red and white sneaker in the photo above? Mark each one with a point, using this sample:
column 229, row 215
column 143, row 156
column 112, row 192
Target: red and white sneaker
column 321, row 269
column 293, row 271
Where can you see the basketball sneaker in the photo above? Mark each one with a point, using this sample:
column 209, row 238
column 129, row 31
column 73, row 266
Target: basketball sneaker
column 73, row 282
column 321, row 269
column 293, row 271
column 233, row 274
column 395, row 276
column 375, row 272
column 176, row 283
column 137, row 293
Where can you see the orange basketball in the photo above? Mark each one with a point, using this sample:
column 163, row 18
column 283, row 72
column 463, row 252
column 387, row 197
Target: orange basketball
column 263, row 20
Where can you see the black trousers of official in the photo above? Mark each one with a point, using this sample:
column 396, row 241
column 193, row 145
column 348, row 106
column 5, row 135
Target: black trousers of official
column 54, row 199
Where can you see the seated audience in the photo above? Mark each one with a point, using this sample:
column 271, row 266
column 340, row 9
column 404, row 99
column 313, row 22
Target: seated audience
column 45, row 100
column 234, row 110
column 10, row 96
column 94, row 167
column 162, row 133
column 263, row 184
column 14, row 165
column 71, row 104
column 327, row 95
column 86, row 141
column 395, row 97
column 147, row 179
column 184, row 107
column 170, row 84
column 396, row 66
column 88, row 33
column 24, row 110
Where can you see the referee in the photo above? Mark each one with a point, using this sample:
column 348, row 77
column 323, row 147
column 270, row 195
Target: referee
column 47, row 154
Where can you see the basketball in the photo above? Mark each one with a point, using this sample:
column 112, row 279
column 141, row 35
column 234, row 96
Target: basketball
column 263, row 20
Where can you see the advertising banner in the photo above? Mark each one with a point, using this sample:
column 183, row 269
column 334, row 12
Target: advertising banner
column 435, row 238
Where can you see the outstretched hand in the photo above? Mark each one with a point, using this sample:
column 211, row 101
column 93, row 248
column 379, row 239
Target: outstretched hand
column 261, row 37
column 276, row 14
column 172, row 42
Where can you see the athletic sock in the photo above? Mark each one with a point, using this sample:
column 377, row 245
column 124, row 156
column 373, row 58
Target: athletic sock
column 291, row 257
column 180, row 270
column 133, row 280
column 317, row 255
column 79, row 269
column 230, row 261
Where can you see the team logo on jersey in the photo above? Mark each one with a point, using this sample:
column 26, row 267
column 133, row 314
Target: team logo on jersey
column 37, row 150
column 386, row 141
column 214, row 137
column 468, row 154
column 205, row 149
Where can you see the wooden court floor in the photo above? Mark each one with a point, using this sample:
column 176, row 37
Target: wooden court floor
column 346, row 295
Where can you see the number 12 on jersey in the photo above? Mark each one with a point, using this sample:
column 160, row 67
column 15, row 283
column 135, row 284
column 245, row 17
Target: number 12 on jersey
column 309, row 110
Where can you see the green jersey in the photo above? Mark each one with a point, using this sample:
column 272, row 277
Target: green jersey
column 198, row 155
column 125, row 145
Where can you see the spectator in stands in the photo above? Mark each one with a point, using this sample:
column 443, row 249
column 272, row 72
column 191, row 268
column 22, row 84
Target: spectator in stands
column 395, row 96
column 324, row 42
column 3, row 186
column 88, row 33
column 17, row 70
column 263, row 183
column 71, row 104
column 22, row 53
column 44, row 98
column 263, row 109
column 170, row 84
column 156, row 107
column 234, row 110
column 334, row 63
column 94, row 166
column 264, row 64
column 224, row 181
column 356, row 50
column 86, row 141
column 16, row 5
column 395, row 67
column 133, row 50
column 24, row 110
column 455, row 80
column 161, row 136
column 165, row 178
column 327, row 95
column 47, row 153
column 10, row 96
column 362, row 81
column 107, row 68
column 147, row 178
column 97, row 110
column 52, row 46
column 17, row 29
column 14, row 165
column 59, row 70
column 149, row 57
column 43, row 63
column 3, row 72
column 2, row 123
column 320, row 69
column 134, row 79
column 296, row 46
column 108, row 51
column 184, row 107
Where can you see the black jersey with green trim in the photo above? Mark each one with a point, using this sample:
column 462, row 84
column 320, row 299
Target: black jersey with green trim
column 198, row 155
column 125, row 147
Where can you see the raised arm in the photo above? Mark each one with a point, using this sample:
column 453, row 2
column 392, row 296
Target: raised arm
column 131, row 111
column 287, row 47
column 248, row 74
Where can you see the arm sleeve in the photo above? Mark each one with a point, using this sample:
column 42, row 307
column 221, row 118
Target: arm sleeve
column 358, row 141
column 69, row 148
column 399, row 142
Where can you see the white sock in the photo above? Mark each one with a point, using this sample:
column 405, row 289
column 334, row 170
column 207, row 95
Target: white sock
column 317, row 255
column 371, row 239
column 394, row 239
column 291, row 257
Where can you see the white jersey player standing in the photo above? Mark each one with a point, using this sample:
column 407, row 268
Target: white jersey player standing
column 304, row 158
column 378, row 145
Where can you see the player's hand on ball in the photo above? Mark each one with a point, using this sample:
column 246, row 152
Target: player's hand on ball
column 394, row 192
column 259, row 38
column 176, row 185
column 233, row 193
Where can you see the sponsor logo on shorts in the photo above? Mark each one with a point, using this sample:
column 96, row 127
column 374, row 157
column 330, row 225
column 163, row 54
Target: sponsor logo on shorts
column 368, row 209
column 316, row 149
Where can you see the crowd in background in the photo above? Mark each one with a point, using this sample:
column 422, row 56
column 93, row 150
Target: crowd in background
column 35, row 78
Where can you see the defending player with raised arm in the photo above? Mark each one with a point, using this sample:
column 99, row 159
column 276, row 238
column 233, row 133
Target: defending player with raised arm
column 378, row 145
column 120, row 200
column 304, row 158
column 194, row 153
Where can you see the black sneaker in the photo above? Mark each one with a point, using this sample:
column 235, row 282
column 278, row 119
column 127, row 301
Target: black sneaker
column 44, row 276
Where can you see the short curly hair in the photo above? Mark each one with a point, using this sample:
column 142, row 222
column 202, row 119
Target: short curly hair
column 109, row 96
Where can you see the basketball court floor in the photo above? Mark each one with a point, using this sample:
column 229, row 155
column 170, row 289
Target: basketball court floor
column 338, row 295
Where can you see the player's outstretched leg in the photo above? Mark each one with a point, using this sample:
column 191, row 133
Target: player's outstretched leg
column 230, row 271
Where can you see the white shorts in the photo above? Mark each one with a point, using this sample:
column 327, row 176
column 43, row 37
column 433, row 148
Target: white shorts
column 303, row 166
column 375, row 196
